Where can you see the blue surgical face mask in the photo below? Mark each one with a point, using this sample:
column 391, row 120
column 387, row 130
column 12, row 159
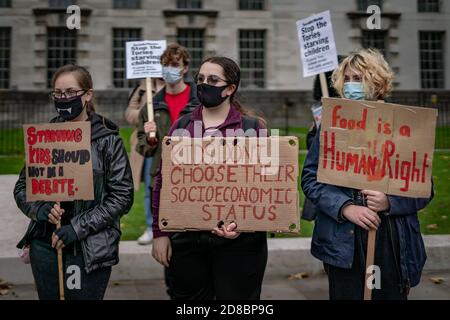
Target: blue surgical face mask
column 354, row 90
column 171, row 75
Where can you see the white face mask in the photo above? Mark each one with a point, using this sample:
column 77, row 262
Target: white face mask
column 171, row 75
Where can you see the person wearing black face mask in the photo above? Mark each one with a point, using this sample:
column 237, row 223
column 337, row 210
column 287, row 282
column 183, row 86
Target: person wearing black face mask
column 90, row 230
column 69, row 105
column 222, row 263
column 208, row 94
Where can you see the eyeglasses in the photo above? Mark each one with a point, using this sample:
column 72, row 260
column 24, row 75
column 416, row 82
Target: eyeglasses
column 55, row 95
column 212, row 79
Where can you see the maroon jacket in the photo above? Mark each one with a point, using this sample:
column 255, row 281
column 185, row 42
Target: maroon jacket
column 233, row 121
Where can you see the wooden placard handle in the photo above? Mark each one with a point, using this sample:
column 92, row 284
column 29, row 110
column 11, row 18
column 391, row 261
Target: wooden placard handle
column 369, row 261
column 60, row 269
column 148, row 85
column 324, row 85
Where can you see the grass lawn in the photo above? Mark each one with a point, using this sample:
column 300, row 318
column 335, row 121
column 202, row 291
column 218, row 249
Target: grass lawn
column 435, row 219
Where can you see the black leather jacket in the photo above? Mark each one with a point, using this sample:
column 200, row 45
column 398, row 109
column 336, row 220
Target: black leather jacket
column 96, row 222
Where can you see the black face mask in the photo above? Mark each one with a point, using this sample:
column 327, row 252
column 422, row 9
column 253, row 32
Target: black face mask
column 69, row 109
column 210, row 96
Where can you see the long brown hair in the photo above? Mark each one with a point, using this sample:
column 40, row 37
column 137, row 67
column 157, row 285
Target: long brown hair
column 83, row 78
column 232, row 74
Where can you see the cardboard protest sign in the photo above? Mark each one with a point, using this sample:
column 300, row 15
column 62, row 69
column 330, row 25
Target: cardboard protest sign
column 251, row 181
column 377, row 146
column 58, row 161
column 317, row 46
column 143, row 59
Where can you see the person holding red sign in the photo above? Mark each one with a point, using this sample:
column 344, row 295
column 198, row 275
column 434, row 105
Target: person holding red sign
column 222, row 263
column 90, row 231
column 345, row 215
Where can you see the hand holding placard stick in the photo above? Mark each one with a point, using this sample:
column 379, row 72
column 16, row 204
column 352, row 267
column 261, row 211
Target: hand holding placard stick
column 143, row 61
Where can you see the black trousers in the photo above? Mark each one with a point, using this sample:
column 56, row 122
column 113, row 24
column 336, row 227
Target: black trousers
column 349, row 284
column 82, row 286
column 205, row 267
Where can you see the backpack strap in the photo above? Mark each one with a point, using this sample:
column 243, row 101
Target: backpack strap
column 183, row 121
column 249, row 123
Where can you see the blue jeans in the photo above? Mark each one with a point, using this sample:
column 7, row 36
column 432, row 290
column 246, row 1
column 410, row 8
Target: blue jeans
column 147, row 196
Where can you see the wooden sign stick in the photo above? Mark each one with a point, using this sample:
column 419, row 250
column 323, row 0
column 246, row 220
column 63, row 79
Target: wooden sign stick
column 324, row 85
column 60, row 269
column 369, row 261
column 148, row 83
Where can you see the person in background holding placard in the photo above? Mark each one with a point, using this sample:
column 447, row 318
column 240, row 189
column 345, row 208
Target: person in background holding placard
column 309, row 211
column 177, row 98
column 345, row 215
column 141, row 166
column 90, row 231
column 222, row 263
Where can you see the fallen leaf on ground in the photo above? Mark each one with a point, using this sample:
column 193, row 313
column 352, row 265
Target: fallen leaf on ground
column 433, row 226
column 300, row 275
column 437, row 280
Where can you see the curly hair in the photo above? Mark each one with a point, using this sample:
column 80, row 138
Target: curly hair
column 173, row 52
column 377, row 76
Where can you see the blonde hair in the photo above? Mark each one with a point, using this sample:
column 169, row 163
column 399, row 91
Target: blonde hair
column 377, row 76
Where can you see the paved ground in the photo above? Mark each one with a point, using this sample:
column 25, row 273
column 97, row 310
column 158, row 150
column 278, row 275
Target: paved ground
column 274, row 288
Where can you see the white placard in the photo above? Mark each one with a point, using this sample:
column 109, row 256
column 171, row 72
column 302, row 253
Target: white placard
column 143, row 58
column 317, row 46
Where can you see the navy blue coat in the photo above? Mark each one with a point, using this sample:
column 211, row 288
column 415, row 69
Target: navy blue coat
column 333, row 239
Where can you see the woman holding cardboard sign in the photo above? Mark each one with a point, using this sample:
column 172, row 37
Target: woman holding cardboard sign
column 90, row 230
column 346, row 215
column 222, row 263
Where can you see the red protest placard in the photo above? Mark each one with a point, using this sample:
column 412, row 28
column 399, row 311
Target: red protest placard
column 58, row 161
column 377, row 146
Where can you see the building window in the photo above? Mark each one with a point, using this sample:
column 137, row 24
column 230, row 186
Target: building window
column 428, row 5
column 364, row 4
column 5, row 56
column 120, row 37
column 193, row 40
column 374, row 39
column 251, row 4
column 127, row 4
column 60, row 3
column 189, row 4
column 252, row 58
column 61, row 49
column 5, row 3
column 432, row 59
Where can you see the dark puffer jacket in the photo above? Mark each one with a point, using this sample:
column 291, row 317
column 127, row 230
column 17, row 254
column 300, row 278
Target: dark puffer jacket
column 96, row 222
